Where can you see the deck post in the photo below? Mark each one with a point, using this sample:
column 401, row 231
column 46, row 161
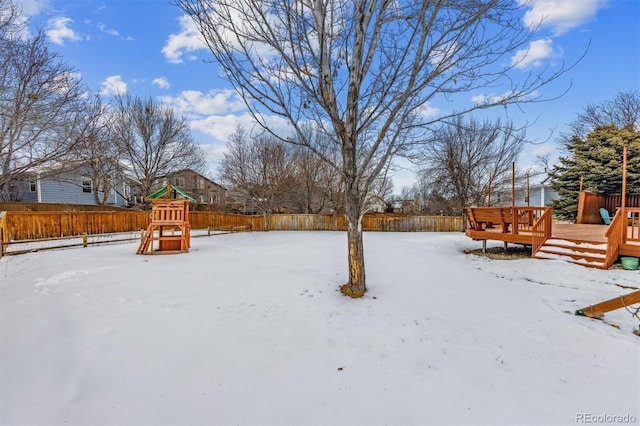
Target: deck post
column 623, row 201
column 484, row 246
column 514, row 216
column 2, row 232
column 505, row 246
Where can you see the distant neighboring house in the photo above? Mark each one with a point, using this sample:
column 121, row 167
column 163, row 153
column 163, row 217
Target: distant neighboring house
column 537, row 194
column 404, row 206
column 72, row 183
column 208, row 194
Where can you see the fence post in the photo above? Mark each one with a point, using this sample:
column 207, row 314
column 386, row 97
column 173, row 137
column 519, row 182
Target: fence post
column 84, row 240
column 2, row 233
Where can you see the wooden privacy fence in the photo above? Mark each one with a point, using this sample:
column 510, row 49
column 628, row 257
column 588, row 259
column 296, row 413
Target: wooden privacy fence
column 413, row 223
column 16, row 226
column 326, row 222
column 19, row 226
column 212, row 220
column 589, row 205
column 307, row 222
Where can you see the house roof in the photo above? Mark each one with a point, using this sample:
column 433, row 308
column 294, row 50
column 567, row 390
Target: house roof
column 177, row 172
column 166, row 190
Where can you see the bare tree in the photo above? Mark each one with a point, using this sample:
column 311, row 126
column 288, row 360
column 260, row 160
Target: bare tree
column 316, row 180
column 98, row 153
column 259, row 171
column 365, row 71
column 466, row 156
column 152, row 140
column 41, row 102
column 621, row 111
column 313, row 178
column 9, row 19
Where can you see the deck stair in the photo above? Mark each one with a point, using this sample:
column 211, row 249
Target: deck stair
column 586, row 253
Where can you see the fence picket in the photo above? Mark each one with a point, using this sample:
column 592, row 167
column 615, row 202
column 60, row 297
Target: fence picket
column 22, row 225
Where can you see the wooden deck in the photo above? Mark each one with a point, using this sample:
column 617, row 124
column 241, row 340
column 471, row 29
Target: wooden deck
column 591, row 233
column 577, row 232
column 482, row 226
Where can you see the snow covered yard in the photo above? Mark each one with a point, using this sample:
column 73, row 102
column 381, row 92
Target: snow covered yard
column 250, row 328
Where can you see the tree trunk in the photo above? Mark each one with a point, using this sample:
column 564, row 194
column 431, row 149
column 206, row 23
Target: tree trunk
column 356, row 287
column 265, row 217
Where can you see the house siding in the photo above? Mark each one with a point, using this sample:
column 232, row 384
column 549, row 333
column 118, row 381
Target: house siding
column 206, row 192
column 539, row 196
column 542, row 196
column 25, row 193
column 65, row 188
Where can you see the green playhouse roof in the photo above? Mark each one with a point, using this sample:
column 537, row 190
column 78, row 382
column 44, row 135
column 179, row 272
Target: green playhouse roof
column 162, row 192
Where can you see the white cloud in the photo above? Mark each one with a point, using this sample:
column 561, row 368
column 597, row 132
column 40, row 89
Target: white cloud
column 214, row 153
column 187, row 40
column 508, row 96
column 65, row 81
column 215, row 102
column 545, row 149
column 427, row 111
column 59, row 31
column 33, row 7
column 161, row 82
column 113, row 85
column 560, row 15
column 479, row 99
column 221, row 126
column 103, row 28
column 535, row 54
column 113, row 32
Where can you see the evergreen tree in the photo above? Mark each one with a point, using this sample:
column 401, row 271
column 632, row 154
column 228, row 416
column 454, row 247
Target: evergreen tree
column 598, row 159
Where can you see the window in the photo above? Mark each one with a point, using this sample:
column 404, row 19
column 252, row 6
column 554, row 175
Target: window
column 179, row 181
column 87, row 184
column 200, row 183
column 202, row 198
column 214, row 198
column 32, row 184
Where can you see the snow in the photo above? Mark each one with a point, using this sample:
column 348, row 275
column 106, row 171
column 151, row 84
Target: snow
column 250, row 328
column 567, row 243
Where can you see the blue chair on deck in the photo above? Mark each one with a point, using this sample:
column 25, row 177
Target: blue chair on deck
column 604, row 214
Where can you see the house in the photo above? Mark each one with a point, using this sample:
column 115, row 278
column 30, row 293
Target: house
column 74, row 183
column 535, row 191
column 208, row 194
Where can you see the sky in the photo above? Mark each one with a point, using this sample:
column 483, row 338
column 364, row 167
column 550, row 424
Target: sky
column 101, row 336
column 148, row 48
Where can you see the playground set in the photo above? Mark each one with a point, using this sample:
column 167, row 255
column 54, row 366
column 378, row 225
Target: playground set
column 169, row 231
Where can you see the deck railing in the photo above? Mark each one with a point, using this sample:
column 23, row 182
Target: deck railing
column 515, row 219
column 633, row 230
column 540, row 231
column 526, row 217
column 615, row 236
